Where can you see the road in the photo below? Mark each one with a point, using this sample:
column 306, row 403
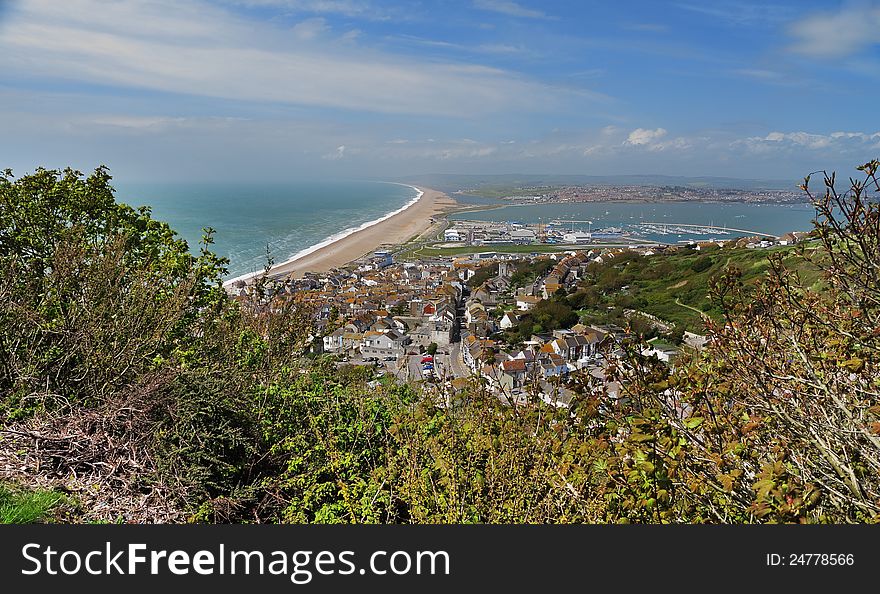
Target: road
column 456, row 364
column 699, row 311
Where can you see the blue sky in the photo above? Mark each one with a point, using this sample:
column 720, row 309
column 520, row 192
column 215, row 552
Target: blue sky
column 277, row 89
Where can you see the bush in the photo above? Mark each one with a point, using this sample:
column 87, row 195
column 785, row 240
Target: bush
column 702, row 264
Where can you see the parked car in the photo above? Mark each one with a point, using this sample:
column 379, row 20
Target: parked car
column 391, row 358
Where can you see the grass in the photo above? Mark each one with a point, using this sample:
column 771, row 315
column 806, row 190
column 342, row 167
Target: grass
column 19, row 506
column 493, row 191
column 675, row 289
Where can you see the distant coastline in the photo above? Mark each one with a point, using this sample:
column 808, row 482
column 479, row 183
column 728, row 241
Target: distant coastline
column 395, row 227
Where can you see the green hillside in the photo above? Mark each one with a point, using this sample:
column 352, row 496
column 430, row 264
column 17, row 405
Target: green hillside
column 674, row 286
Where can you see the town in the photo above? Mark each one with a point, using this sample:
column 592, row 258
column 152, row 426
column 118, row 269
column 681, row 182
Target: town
column 546, row 194
column 443, row 319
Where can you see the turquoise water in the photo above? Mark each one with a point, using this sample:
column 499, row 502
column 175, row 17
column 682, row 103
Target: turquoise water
column 634, row 218
column 289, row 218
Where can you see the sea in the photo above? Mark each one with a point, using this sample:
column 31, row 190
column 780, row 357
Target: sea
column 667, row 222
column 285, row 220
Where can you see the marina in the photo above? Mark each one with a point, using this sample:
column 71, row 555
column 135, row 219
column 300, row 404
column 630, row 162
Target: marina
column 669, row 223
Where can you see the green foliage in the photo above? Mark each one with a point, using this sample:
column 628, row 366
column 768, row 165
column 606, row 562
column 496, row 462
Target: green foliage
column 526, row 271
column 547, row 315
column 18, row 506
column 701, row 264
column 481, row 463
column 482, row 275
column 674, row 286
column 92, row 293
column 121, row 355
column 329, row 440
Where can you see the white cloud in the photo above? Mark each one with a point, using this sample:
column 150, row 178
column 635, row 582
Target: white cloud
column 835, row 143
column 680, row 144
column 510, row 9
column 466, row 153
column 349, row 8
column 757, row 73
column 309, row 29
column 851, row 30
column 136, row 122
column 198, row 49
column 642, row 136
column 337, row 154
column 737, row 12
column 141, row 124
column 433, row 149
column 500, row 48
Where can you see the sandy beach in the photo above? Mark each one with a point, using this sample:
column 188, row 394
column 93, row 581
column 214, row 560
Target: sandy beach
column 399, row 228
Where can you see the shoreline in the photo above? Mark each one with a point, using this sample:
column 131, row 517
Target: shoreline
column 342, row 248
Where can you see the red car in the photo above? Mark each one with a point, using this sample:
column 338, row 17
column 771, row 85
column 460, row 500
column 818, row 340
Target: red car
column 427, row 359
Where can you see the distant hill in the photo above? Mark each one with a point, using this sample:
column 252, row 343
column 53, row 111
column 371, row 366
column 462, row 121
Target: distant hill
column 451, row 182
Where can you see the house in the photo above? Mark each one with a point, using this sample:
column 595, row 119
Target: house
column 474, row 351
column 570, row 347
column 382, row 259
column 384, row 344
column 333, row 341
column 526, row 302
column 510, row 319
column 484, row 295
column 792, row 238
column 485, row 255
column 351, row 340
column 477, row 319
column 475, row 312
column 357, row 325
column 526, row 355
column 465, row 272
column 553, row 365
column 513, row 373
column 664, row 352
column 550, row 289
column 696, row 341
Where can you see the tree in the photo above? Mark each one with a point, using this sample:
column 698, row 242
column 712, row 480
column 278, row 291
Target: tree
column 432, row 349
column 123, row 364
column 779, row 418
column 101, row 291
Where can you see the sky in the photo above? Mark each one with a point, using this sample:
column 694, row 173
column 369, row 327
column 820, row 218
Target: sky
column 277, row 90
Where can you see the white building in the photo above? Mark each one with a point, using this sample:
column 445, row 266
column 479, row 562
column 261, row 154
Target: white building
column 523, row 236
column 453, row 235
column 576, row 237
column 510, row 319
column 526, row 302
